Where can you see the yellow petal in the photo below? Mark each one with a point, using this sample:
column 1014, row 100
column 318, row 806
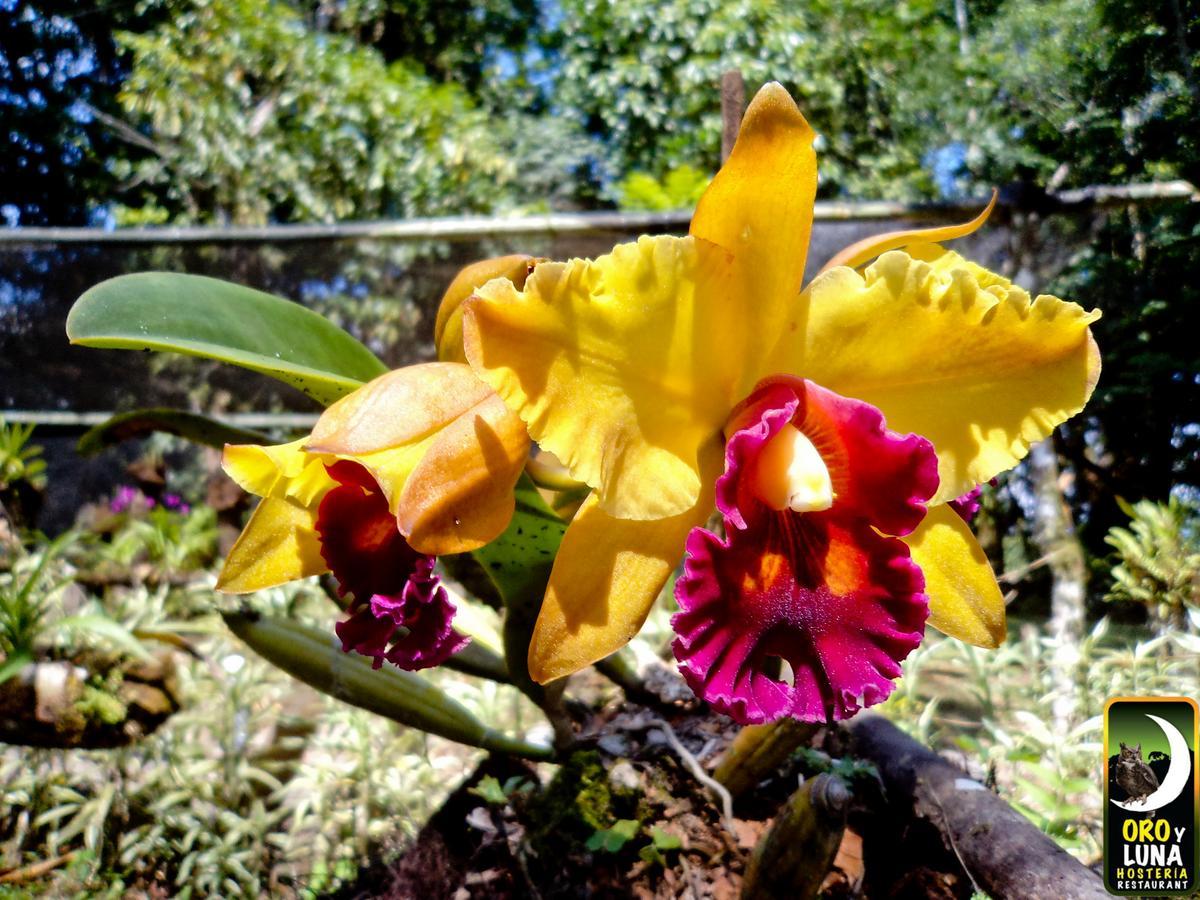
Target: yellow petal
column 620, row 366
column 279, row 544
column 949, row 351
column 760, row 207
column 964, row 599
column 606, row 577
column 279, row 470
column 868, row 248
column 447, row 330
column 442, row 446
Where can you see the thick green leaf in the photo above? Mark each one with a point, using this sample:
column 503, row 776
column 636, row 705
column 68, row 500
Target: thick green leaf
column 200, row 316
column 314, row 657
column 476, row 659
column 190, row 426
column 519, row 563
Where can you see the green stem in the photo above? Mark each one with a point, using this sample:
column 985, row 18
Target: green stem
column 311, row 655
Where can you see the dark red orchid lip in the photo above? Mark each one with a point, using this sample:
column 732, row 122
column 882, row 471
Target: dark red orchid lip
column 400, row 611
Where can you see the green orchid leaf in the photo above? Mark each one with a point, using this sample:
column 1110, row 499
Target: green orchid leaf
column 476, row 659
column 205, row 317
column 190, row 426
column 519, row 563
column 314, row 657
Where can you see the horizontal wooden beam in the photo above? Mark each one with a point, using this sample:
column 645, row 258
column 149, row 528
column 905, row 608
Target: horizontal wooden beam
column 53, row 418
column 467, row 228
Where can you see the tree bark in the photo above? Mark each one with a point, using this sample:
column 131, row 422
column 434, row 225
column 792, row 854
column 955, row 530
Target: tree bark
column 927, row 798
column 1054, row 532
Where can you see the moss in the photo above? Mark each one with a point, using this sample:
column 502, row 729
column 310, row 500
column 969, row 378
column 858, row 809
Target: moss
column 577, row 803
column 594, row 799
column 97, row 705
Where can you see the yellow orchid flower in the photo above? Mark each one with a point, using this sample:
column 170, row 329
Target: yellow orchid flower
column 830, row 426
column 421, row 461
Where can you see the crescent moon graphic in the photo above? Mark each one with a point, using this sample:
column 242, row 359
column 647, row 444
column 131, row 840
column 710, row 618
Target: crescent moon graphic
column 1177, row 774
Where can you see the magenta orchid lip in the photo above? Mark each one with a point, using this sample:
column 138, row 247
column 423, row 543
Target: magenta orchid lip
column 829, row 592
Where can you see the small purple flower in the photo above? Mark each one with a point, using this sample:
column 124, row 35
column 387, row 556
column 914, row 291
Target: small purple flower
column 176, row 503
column 124, row 498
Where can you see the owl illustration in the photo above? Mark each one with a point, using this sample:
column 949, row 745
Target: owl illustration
column 1134, row 775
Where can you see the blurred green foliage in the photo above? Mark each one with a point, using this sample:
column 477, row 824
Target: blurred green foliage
column 286, row 110
column 678, row 189
column 1158, row 560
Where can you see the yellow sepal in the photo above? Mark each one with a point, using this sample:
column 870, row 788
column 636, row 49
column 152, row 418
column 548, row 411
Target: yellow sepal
column 279, row 544
column 760, row 208
column 964, row 599
column 605, row 580
column 868, row 248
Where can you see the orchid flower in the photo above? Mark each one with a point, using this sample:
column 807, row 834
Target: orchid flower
column 830, row 427
column 419, row 462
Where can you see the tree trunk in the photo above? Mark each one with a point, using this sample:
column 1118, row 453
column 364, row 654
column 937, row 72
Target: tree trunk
column 1054, row 532
column 930, row 802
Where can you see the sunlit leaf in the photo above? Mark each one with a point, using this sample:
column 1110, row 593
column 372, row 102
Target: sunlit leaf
column 199, row 316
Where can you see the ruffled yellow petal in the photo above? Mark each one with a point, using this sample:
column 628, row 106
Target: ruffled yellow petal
column 605, row 580
column 868, row 248
column 949, row 351
column 760, row 208
column 279, row 544
column 447, row 331
column 620, row 366
column 279, row 470
column 443, row 447
column 964, row 599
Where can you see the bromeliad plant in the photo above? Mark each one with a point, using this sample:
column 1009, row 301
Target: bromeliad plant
column 830, row 426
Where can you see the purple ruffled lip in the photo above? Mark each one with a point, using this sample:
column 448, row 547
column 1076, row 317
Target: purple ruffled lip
column 400, row 611
column 412, row 629
column 829, row 592
column 968, row 505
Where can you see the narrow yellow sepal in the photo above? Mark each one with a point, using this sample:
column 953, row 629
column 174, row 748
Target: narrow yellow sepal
column 868, row 248
column 605, row 580
column 964, row 598
column 760, row 208
column 279, row 544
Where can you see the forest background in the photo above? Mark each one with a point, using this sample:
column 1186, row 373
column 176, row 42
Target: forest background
column 255, row 111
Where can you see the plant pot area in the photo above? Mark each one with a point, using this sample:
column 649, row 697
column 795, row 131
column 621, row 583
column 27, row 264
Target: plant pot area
column 858, row 812
column 88, row 702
